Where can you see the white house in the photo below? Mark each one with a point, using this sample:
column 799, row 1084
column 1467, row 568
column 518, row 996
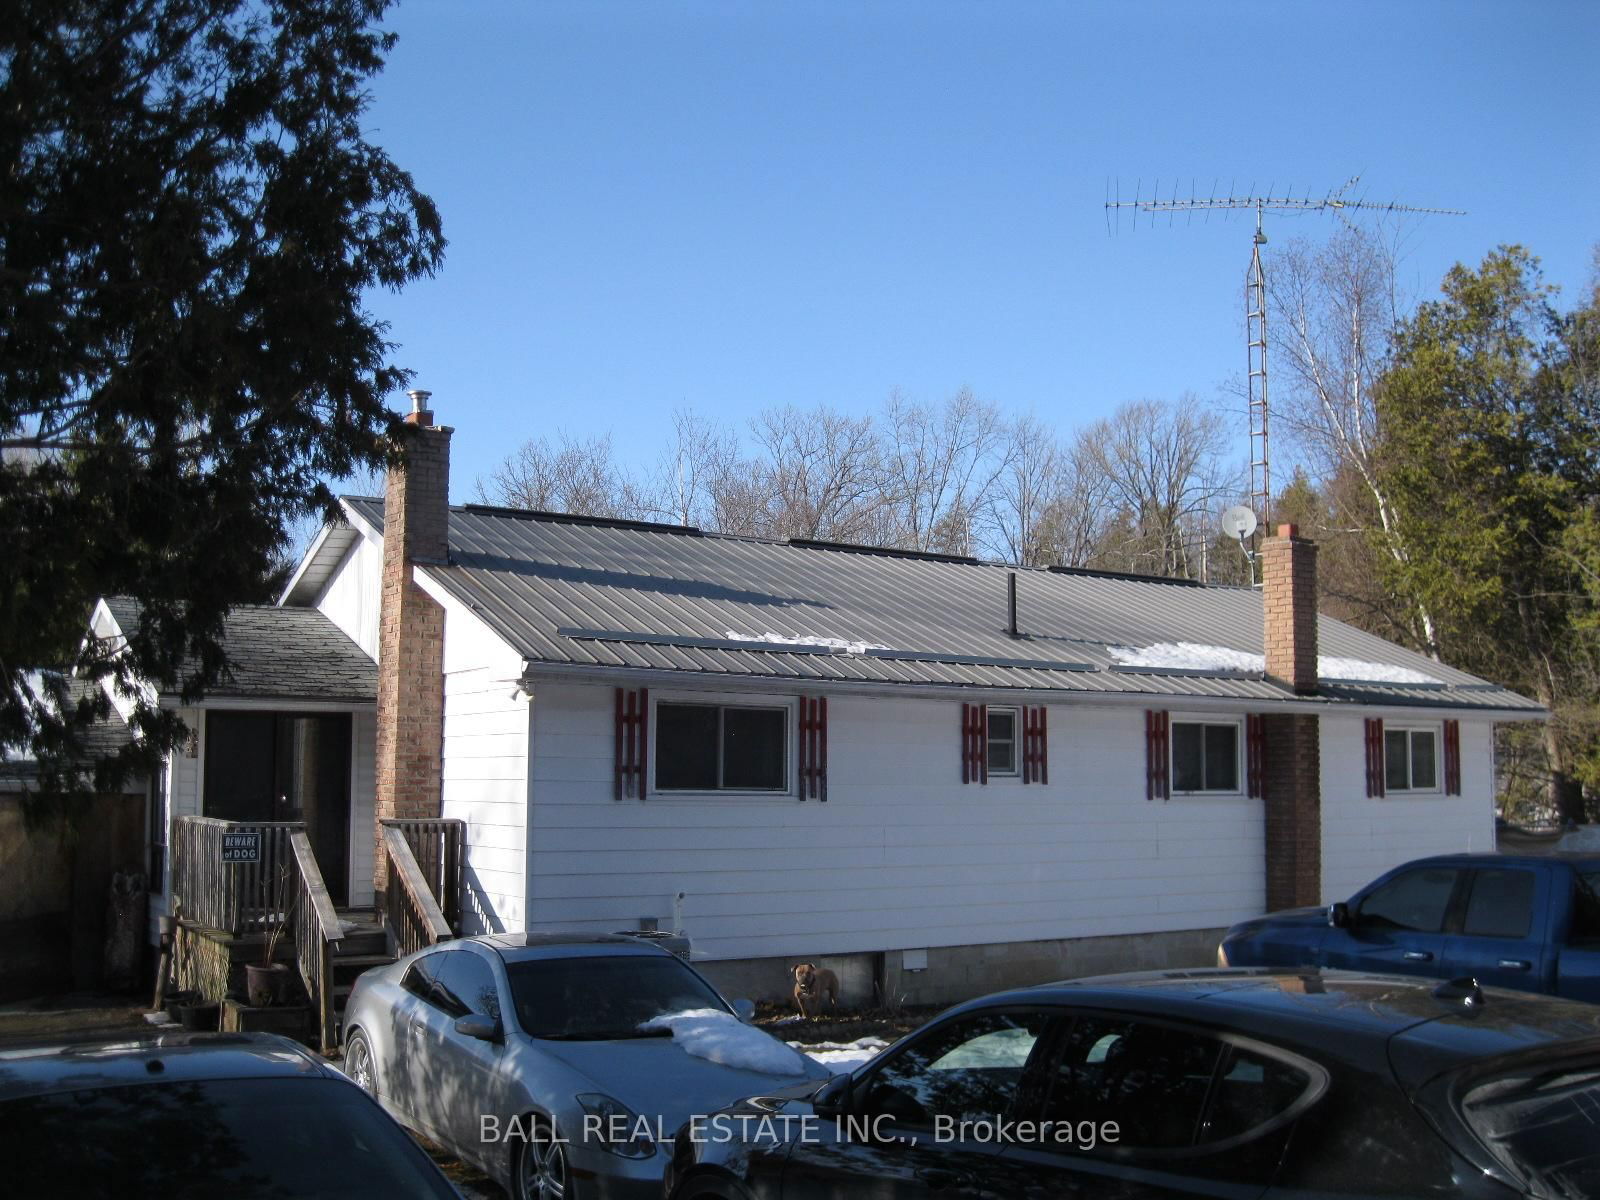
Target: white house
column 793, row 750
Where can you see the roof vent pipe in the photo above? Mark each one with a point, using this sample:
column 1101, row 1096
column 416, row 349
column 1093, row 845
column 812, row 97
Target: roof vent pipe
column 1011, row 603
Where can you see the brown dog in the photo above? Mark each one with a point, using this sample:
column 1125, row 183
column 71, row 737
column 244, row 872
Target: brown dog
column 814, row 986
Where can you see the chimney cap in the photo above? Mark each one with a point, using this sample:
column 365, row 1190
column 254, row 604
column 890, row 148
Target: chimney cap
column 419, row 399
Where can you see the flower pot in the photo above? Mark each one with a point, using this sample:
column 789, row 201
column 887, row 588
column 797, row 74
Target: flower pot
column 200, row 1015
column 173, row 1001
column 266, row 983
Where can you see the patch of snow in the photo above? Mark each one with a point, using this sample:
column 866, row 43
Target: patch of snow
column 1193, row 656
column 721, row 1037
column 1369, row 672
column 827, row 643
column 1188, row 656
column 842, row 1057
column 1585, row 838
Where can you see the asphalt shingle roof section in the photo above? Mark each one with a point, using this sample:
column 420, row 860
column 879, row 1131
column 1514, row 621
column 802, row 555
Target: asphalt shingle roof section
column 282, row 653
column 570, row 591
column 103, row 738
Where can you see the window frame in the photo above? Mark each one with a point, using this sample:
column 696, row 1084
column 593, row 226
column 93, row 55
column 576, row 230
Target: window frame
column 1015, row 770
column 1204, row 719
column 789, row 705
column 1409, row 728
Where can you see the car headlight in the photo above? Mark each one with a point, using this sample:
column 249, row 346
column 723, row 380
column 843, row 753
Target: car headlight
column 616, row 1127
column 1222, row 955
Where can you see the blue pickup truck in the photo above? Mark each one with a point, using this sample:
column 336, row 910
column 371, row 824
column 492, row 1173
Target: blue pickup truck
column 1519, row 922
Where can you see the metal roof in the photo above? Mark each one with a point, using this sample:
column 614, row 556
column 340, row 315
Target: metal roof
column 589, row 593
column 280, row 653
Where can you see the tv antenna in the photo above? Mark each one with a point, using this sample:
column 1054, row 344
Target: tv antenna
column 1255, row 288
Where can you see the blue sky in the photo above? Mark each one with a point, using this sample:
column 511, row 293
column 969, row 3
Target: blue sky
column 732, row 205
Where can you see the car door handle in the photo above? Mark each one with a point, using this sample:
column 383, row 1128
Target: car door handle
column 942, row 1177
column 1417, row 956
column 1515, row 964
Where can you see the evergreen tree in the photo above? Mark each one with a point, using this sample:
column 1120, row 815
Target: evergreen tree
column 191, row 217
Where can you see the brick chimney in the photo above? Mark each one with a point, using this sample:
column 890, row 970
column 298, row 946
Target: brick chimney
column 1292, row 763
column 416, row 517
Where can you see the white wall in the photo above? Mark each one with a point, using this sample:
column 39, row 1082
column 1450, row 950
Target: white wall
column 485, row 764
column 353, row 593
column 1362, row 838
column 901, row 856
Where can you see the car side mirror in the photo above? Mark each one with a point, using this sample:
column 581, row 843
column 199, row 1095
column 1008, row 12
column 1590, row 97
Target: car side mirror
column 744, row 1009
column 833, row 1098
column 1339, row 915
column 476, row 1025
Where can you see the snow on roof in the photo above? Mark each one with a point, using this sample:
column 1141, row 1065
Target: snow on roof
column 1192, row 656
column 829, row 643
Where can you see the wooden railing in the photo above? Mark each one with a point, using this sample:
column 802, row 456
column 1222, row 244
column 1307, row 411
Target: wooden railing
column 317, row 930
column 414, row 918
column 437, row 847
column 234, row 897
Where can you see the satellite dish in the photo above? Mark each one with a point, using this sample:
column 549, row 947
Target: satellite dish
column 1239, row 522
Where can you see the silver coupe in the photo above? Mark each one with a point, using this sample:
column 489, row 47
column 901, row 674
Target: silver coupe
column 541, row 1059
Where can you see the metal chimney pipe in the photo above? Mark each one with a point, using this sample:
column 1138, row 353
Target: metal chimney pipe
column 1011, row 603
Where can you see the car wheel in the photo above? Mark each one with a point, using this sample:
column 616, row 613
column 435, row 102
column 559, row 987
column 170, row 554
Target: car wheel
column 358, row 1062
column 539, row 1169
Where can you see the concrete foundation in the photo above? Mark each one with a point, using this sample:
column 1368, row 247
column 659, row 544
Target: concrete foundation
column 950, row 974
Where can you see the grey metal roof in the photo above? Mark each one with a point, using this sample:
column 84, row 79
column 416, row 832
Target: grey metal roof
column 591, row 593
column 281, row 653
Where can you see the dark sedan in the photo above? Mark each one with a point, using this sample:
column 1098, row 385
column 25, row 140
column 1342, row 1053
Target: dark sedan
column 1221, row 1083
column 196, row 1117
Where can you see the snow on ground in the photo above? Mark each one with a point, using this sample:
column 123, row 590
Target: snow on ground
column 1193, row 656
column 723, row 1038
column 782, row 639
column 842, row 1057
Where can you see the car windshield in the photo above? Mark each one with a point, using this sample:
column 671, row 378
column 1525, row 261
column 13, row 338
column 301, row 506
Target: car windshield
column 585, row 998
column 246, row 1139
column 1541, row 1124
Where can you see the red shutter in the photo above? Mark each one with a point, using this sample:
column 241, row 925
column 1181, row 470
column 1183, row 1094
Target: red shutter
column 1157, row 760
column 1035, row 746
column 1255, row 755
column 813, row 748
column 974, row 743
column 1375, row 757
column 1452, row 758
column 633, row 740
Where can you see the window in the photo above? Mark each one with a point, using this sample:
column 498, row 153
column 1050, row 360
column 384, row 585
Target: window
column 465, row 984
column 1585, row 909
column 1151, row 1080
column 969, row 1070
column 1205, row 756
column 1003, row 741
column 1501, row 904
column 418, row 979
column 721, row 747
column 1415, row 901
column 1410, row 760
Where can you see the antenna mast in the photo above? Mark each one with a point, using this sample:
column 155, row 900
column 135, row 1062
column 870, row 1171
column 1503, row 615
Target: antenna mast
column 1255, row 292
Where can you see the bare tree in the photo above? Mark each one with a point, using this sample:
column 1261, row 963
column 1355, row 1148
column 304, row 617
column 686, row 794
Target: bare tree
column 820, row 475
column 1073, row 526
column 939, row 466
column 1336, row 306
column 569, row 475
column 1164, row 466
column 1024, row 492
column 699, row 471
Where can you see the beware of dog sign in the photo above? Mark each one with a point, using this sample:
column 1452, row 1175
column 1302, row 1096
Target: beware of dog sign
column 241, row 847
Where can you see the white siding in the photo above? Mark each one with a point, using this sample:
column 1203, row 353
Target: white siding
column 901, row 856
column 486, row 764
column 363, row 790
column 352, row 595
column 1362, row 838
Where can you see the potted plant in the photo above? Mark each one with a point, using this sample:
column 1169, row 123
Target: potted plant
column 266, row 981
